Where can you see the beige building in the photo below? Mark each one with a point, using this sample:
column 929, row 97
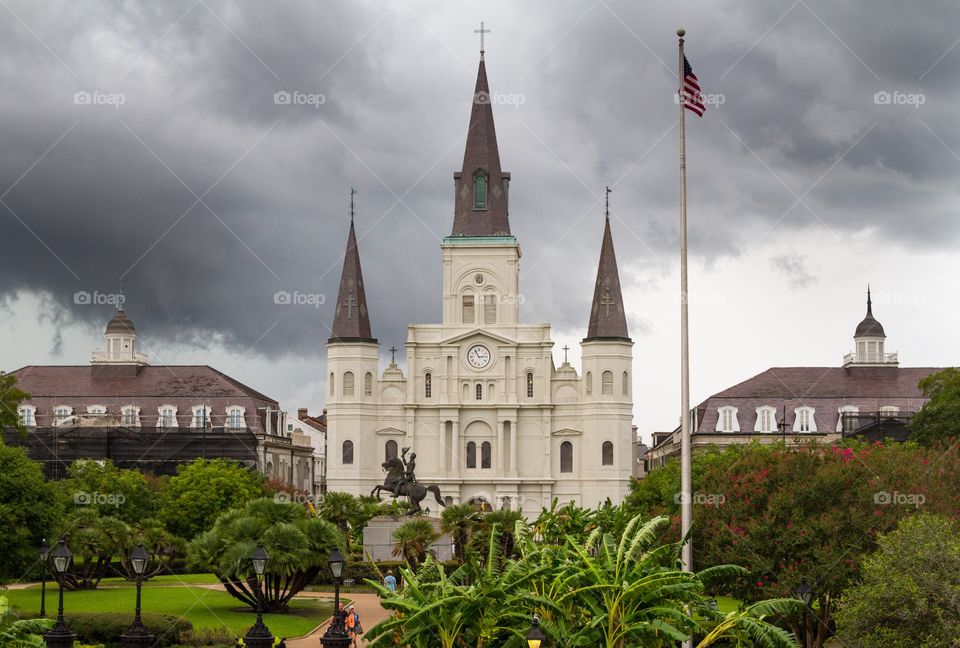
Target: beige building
column 490, row 418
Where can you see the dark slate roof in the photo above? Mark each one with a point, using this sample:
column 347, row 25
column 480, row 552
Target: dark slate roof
column 351, row 319
column 121, row 324
column 481, row 154
column 607, row 317
column 869, row 327
column 826, row 389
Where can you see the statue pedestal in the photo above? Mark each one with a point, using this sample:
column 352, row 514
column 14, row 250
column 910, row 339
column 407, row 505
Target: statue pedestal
column 378, row 538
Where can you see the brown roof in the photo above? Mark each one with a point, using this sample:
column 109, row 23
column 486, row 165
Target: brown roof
column 607, row 318
column 120, row 324
column 481, row 155
column 869, row 327
column 351, row 320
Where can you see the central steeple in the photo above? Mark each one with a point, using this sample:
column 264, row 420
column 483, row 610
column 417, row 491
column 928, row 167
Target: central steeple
column 481, row 186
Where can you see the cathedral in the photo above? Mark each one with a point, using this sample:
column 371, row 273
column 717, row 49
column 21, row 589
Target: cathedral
column 489, row 417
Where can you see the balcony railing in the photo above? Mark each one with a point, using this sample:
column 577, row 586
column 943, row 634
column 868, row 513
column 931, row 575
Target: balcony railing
column 870, row 358
column 853, row 423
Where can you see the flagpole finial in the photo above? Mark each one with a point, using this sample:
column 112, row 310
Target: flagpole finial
column 681, row 32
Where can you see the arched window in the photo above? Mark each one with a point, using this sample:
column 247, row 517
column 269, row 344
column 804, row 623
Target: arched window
column 489, row 308
column 606, row 383
column 368, row 384
column 485, row 453
column 27, row 415
column 626, row 384
column 168, row 417
column 130, row 416
column 390, row 450
column 589, row 380
column 467, row 310
column 766, row 419
column 235, row 417
column 566, row 457
column 847, row 422
column 479, row 389
column 428, row 386
column 480, row 191
column 332, row 383
column 606, row 453
column 347, row 452
column 471, row 455
column 529, row 384
column 466, row 392
column 803, row 420
column 491, row 390
column 348, row 383
column 727, row 419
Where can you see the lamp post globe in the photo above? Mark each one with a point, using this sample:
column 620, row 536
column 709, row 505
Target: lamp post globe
column 535, row 636
column 137, row 634
column 60, row 635
column 259, row 636
column 336, row 635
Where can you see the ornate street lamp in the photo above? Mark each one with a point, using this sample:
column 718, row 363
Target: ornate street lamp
column 805, row 593
column 60, row 635
column 336, row 635
column 44, row 555
column 137, row 634
column 259, row 636
column 535, row 637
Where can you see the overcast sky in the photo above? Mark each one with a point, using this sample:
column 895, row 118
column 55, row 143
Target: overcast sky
column 142, row 145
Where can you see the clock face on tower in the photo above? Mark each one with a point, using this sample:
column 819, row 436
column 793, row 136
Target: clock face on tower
column 478, row 356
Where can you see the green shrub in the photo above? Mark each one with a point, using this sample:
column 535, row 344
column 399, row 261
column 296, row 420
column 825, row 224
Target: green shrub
column 106, row 627
column 205, row 637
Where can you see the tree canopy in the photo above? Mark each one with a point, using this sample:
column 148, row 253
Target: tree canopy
column 939, row 418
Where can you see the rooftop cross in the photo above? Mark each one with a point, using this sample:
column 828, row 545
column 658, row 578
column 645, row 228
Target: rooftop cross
column 353, row 192
column 565, row 349
column 393, row 355
column 350, row 303
column 607, row 300
column 481, row 31
column 606, row 210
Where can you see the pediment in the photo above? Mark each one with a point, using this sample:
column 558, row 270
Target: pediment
column 567, row 432
column 478, row 332
column 390, row 431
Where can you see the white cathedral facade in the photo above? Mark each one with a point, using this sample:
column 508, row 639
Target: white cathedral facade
column 491, row 419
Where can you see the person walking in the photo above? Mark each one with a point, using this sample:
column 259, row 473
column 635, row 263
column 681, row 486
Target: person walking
column 390, row 582
column 353, row 625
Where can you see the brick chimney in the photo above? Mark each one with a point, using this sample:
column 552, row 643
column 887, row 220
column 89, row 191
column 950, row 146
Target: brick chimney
column 302, row 413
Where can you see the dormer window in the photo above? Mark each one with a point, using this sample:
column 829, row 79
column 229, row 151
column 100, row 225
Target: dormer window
column 235, row 417
column 804, row 421
column 201, row 416
column 130, row 416
column 96, row 409
column 28, row 415
column 61, row 414
column 480, row 191
column 167, row 416
column 766, row 419
column 727, row 419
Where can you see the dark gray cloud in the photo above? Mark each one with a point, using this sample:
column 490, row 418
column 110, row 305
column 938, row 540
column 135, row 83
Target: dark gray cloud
column 114, row 201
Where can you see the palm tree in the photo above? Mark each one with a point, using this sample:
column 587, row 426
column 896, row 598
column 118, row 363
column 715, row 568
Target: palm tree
column 342, row 509
column 459, row 520
column 412, row 539
column 748, row 624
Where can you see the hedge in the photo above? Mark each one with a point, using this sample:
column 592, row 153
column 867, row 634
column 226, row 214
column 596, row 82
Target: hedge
column 106, row 627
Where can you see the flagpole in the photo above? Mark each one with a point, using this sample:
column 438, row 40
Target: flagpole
column 686, row 506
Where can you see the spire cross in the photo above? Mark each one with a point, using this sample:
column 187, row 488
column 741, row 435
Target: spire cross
column 393, row 355
column 353, row 192
column 606, row 210
column 481, row 31
column 565, row 349
column 350, row 303
column 606, row 301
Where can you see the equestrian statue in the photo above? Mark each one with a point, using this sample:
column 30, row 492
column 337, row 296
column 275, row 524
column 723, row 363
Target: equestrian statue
column 401, row 480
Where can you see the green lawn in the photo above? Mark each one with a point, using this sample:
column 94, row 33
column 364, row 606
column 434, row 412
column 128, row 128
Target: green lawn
column 204, row 608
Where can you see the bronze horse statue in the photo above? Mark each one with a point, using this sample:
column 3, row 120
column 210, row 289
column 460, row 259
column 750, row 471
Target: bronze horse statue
column 397, row 485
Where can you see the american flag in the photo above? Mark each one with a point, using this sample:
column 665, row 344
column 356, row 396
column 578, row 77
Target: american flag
column 690, row 95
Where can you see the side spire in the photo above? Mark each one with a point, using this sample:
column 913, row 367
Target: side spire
column 351, row 319
column 480, row 202
column 607, row 317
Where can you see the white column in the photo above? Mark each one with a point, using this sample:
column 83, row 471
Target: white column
column 500, row 466
column 513, row 448
column 455, row 450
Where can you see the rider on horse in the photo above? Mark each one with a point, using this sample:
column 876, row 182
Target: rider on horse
column 409, row 472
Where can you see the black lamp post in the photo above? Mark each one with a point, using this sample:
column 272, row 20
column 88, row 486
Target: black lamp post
column 259, row 636
column 44, row 554
column 60, row 635
column 805, row 593
column 336, row 635
column 535, row 636
column 137, row 634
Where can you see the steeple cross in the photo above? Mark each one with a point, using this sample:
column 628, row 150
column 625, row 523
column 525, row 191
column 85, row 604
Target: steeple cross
column 565, row 349
column 606, row 301
column 353, row 192
column 350, row 302
column 606, row 210
column 393, row 355
column 481, row 31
